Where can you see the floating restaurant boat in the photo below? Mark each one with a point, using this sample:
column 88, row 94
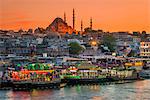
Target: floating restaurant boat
column 34, row 76
column 35, row 79
column 89, row 73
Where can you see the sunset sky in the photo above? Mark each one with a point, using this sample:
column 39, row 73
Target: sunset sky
column 109, row 15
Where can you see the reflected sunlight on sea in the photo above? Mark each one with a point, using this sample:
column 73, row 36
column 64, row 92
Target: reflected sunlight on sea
column 139, row 90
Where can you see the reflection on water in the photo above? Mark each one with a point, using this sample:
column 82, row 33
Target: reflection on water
column 139, row 90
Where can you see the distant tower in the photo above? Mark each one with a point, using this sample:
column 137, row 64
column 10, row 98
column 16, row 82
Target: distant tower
column 81, row 26
column 91, row 23
column 64, row 17
column 73, row 19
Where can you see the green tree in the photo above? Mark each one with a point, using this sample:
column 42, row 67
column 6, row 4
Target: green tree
column 143, row 36
column 132, row 53
column 110, row 42
column 75, row 48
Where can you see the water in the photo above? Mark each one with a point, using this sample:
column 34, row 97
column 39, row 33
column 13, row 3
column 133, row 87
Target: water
column 139, row 90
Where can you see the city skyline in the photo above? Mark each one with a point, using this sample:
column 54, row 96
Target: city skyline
column 109, row 15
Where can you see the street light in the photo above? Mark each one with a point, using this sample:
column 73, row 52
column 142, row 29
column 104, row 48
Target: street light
column 93, row 43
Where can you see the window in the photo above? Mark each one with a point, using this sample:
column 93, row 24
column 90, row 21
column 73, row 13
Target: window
column 147, row 50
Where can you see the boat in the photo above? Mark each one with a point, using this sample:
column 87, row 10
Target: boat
column 33, row 76
column 89, row 73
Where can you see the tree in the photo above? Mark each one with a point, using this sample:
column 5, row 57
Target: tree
column 30, row 31
column 143, row 35
column 110, row 42
column 75, row 48
column 132, row 54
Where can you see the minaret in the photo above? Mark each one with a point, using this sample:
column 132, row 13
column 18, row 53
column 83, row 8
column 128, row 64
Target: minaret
column 73, row 19
column 81, row 26
column 64, row 17
column 91, row 23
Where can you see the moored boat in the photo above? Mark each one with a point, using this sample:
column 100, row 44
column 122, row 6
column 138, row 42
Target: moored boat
column 89, row 73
